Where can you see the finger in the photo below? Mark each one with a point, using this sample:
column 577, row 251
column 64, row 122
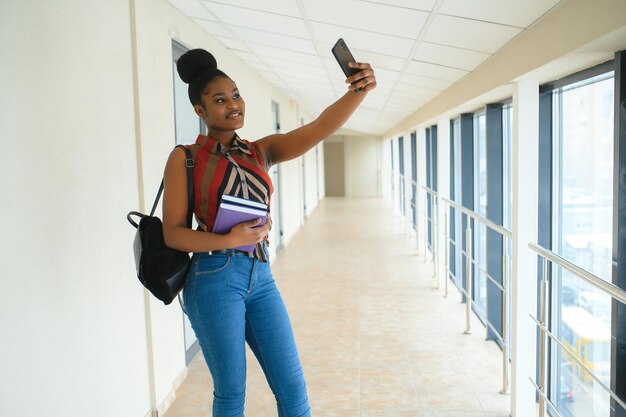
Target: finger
column 369, row 87
column 362, row 83
column 263, row 230
column 253, row 223
column 360, row 75
column 359, row 65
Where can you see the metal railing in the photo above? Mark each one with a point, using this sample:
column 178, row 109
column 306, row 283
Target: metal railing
column 432, row 204
column 414, row 215
column 470, row 263
column 545, row 334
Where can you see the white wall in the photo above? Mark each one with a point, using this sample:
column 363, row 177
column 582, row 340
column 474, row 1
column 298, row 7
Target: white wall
column 84, row 143
column 362, row 165
column 72, row 319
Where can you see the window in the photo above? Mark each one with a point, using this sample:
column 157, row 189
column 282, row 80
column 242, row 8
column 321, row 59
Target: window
column 187, row 123
column 582, row 233
column 414, row 178
column 401, row 177
column 480, row 207
column 455, row 192
column 431, row 181
column 507, row 194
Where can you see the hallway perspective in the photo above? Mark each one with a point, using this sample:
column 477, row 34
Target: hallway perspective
column 375, row 335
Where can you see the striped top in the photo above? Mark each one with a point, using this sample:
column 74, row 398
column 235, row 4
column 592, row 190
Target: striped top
column 214, row 175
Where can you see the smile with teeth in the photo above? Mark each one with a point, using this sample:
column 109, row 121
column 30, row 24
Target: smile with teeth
column 234, row 115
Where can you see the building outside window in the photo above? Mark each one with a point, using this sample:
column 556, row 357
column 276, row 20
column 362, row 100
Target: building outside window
column 455, row 215
column 582, row 234
column 480, row 207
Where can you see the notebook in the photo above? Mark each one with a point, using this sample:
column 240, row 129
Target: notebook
column 234, row 210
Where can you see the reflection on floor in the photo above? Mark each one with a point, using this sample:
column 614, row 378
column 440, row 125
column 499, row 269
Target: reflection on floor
column 375, row 335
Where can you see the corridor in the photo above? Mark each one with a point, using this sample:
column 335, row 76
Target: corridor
column 375, row 335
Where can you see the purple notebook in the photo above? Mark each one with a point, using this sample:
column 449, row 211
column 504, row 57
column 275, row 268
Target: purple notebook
column 234, row 210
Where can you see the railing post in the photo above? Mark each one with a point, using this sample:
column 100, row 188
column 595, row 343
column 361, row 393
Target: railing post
column 435, row 216
column 543, row 375
column 426, row 227
column 468, row 281
column 447, row 250
column 505, row 320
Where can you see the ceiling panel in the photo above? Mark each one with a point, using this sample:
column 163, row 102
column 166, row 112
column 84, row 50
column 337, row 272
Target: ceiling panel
column 424, row 81
column 449, row 56
column 293, row 56
column 426, row 5
column 259, row 37
column 436, row 71
column 192, row 8
column 379, row 60
column 255, row 19
column 215, row 28
column 288, row 43
column 234, row 44
column 365, row 16
column 281, row 7
column 515, row 13
column 360, row 39
column 470, row 34
column 282, row 65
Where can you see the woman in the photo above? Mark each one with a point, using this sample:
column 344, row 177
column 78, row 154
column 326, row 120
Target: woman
column 230, row 295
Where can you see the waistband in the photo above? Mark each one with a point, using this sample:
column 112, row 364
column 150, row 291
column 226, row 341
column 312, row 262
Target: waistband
column 231, row 252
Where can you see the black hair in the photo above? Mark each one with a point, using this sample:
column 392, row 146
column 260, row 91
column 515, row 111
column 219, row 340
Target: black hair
column 197, row 68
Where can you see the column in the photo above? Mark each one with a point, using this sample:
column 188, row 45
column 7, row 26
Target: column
column 524, row 229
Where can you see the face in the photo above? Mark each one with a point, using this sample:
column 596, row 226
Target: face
column 222, row 107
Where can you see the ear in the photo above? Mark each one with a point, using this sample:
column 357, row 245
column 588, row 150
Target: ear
column 199, row 110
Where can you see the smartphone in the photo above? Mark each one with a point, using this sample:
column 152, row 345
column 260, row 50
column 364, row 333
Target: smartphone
column 343, row 56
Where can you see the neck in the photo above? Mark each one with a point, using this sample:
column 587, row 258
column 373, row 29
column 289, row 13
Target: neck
column 225, row 137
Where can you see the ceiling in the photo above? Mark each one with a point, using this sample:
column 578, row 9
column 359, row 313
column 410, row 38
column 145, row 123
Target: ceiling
column 418, row 48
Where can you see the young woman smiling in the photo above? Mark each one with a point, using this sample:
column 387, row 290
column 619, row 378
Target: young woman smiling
column 230, row 295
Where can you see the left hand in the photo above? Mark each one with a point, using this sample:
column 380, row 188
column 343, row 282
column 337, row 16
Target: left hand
column 364, row 79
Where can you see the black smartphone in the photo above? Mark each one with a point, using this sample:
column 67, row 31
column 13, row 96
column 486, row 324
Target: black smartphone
column 343, row 56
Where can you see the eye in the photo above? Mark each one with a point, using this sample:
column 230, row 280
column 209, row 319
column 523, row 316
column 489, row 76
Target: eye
column 219, row 100
column 237, row 96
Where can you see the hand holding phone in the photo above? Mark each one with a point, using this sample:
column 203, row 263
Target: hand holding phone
column 344, row 56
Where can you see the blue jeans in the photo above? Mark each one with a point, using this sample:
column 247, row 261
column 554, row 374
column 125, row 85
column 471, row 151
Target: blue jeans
column 232, row 299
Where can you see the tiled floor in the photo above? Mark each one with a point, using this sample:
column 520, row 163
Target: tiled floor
column 375, row 335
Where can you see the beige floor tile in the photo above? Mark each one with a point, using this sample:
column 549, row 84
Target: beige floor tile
column 451, row 398
column 439, row 413
column 375, row 335
column 392, row 413
column 381, row 397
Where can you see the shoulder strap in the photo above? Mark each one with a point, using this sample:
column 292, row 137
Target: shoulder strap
column 189, row 164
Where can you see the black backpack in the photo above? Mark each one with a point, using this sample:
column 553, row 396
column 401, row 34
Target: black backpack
column 160, row 269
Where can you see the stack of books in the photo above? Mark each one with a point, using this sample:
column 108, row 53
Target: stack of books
column 234, row 210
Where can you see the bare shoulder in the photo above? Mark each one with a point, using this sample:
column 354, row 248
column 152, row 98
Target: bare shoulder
column 176, row 159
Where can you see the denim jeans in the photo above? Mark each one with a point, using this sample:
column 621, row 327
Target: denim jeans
column 232, row 299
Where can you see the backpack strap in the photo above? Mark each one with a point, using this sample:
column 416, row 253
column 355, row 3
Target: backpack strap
column 189, row 164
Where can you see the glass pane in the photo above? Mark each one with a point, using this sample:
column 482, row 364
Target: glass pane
column 507, row 163
column 188, row 124
column 457, row 199
column 507, row 145
column 583, row 235
column 480, row 206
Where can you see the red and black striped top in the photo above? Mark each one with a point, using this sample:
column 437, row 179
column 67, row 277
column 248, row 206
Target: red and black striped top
column 214, row 175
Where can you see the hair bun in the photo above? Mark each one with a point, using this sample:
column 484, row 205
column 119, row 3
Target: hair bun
column 194, row 62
